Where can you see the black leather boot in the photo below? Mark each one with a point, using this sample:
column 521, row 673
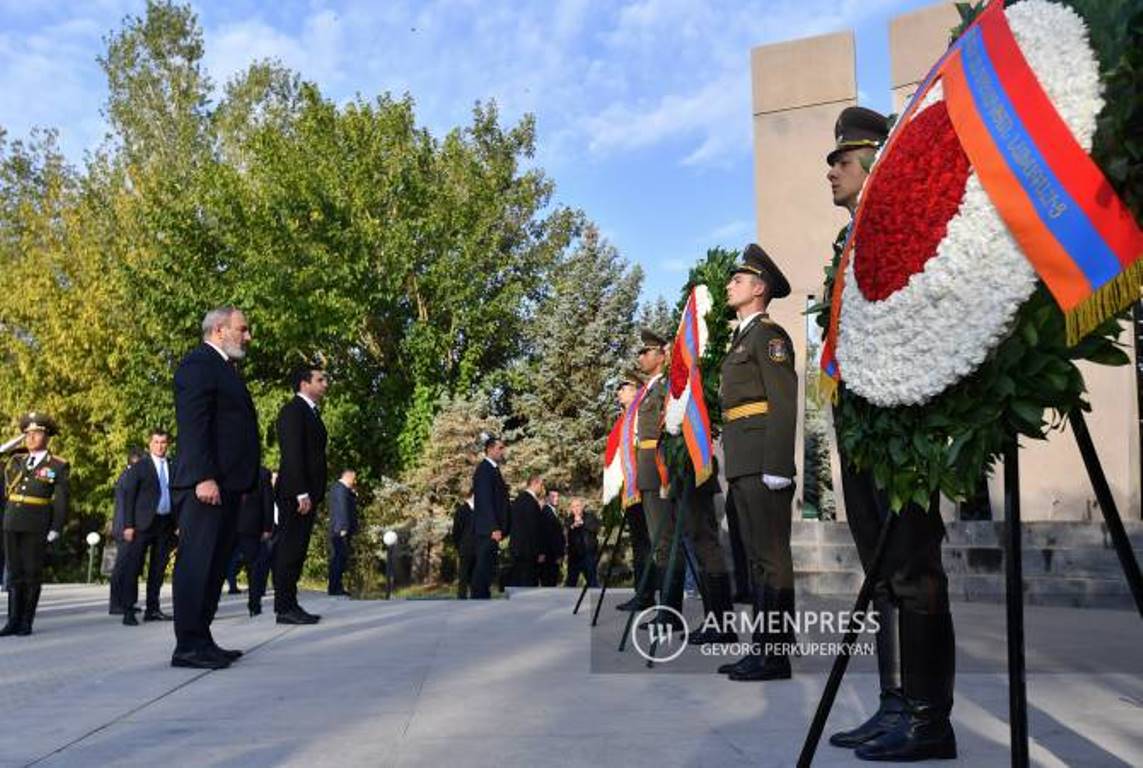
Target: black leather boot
column 928, row 672
column 891, row 708
column 31, row 600
column 642, row 600
column 751, row 662
column 775, row 661
column 15, row 609
column 672, row 595
column 888, row 716
column 716, row 605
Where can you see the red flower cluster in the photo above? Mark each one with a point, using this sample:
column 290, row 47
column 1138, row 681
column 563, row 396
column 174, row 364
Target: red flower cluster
column 918, row 187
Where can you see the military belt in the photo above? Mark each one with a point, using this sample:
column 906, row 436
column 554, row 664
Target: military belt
column 747, row 409
column 649, row 445
column 32, row 501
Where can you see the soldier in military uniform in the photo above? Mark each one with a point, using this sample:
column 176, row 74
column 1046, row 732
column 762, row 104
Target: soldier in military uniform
column 626, row 389
column 915, row 644
column 36, row 488
column 759, row 396
column 650, row 477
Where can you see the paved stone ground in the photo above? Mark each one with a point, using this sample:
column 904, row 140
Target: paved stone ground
column 508, row 683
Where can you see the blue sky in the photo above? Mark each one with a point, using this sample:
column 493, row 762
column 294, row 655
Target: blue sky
column 642, row 108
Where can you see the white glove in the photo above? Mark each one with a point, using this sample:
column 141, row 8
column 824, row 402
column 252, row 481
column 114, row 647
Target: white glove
column 52, row 536
column 775, row 483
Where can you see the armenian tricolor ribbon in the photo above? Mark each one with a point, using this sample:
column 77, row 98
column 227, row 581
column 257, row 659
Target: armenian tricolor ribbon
column 1078, row 235
column 627, row 456
column 686, row 388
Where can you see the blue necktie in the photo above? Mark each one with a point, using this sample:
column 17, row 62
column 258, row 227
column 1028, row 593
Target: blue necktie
column 164, row 489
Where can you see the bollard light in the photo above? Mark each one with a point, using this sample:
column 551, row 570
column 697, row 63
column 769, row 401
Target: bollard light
column 92, row 543
column 389, row 539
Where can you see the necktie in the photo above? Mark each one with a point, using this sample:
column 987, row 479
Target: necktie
column 164, row 489
column 31, row 462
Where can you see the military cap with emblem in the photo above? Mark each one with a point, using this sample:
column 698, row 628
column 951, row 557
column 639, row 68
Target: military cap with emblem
column 628, row 376
column 858, row 127
column 757, row 262
column 39, row 422
column 651, row 339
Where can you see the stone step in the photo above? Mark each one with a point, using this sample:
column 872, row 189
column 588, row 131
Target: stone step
column 1036, row 533
column 980, row 588
column 1080, row 562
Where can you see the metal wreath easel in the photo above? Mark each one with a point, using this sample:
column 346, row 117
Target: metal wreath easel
column 1014, row 592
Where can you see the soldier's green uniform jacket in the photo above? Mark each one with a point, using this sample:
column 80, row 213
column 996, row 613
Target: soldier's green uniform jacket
column 649, row 429
column 36, row 499
column 759, row 396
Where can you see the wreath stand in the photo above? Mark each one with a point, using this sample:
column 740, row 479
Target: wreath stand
column 1014, row 592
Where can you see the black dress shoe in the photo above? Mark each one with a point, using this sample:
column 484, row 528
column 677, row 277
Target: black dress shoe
column 129, row 619
column 315, row 618
column 229, row 655
column 771, row 668
column 295, row 617
column 199, row 660
column 10, row 629
column 255, row 610
column 747, row 662
column 157, row 615
column 234, row 591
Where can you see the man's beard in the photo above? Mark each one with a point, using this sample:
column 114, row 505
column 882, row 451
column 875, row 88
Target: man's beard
column 234, row 351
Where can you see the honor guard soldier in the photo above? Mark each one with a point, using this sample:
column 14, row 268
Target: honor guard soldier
column 627, row 388
column 759, row 395
column 917, row 659
column 36, row 488
column 651, row 478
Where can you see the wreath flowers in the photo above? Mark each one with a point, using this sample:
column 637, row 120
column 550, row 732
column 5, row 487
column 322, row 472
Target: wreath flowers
column 950, row 345
column 936, row 278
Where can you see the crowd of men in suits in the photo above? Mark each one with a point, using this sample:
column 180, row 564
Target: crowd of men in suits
column 539, row 536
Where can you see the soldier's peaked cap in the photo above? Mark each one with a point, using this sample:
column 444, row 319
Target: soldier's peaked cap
column 858, row 127
column 757, row 262
column 651, row 339
column 41, row 422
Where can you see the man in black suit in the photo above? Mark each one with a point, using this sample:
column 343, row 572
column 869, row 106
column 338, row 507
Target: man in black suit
column 489, row 516
column 526, row 542
column 583, row 544
column 464, row 539
column 555, row 546
column 219, row 456
column 342, row 526
column 301, row 487
column 148, row 528
column 255, row 527
column 115, row 603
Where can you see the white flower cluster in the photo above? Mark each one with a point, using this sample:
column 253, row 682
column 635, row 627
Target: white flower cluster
column 939, row 328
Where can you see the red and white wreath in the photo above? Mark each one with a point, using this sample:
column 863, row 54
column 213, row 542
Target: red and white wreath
column 935, row 279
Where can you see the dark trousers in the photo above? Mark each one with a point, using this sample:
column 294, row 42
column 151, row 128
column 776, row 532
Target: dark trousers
column 154, row 545
column 25, row 552
column 550, row 573
column 737, row 548
column 338, row 562
column 206, row 539
column 524, row 571
column 114, row 600
column 484, row 569
column 466, row 562
column 293, row 541
column 256, row 554
column 640, row 540
column 765, row 518
column 701, row 527
column 584, row 564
